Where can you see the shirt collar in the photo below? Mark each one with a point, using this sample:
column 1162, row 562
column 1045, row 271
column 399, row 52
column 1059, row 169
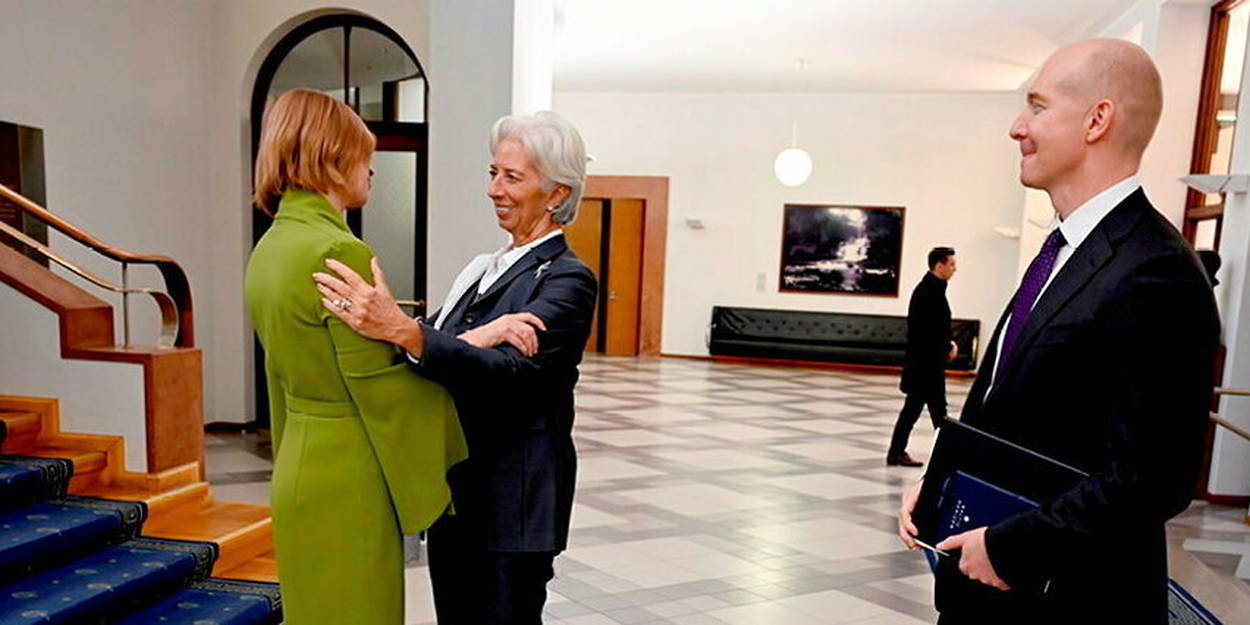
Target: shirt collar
column 509, row 253
column 1086, row 217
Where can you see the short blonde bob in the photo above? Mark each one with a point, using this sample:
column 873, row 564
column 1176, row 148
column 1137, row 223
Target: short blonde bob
column 309, row 141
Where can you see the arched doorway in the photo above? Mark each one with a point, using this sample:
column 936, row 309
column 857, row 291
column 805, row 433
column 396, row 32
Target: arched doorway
column 367, row 65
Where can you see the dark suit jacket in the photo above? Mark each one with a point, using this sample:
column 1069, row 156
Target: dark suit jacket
column 928, row 338
column 1112, row 374
column 516, row 488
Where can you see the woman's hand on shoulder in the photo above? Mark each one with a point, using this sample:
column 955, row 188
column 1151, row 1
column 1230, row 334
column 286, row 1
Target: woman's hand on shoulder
column 368, row 309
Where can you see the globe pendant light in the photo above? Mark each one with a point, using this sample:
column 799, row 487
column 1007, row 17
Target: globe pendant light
column 793, row 165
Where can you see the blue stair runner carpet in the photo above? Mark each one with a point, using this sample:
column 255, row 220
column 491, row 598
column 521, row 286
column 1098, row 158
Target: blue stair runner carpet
column 215, row 602
column 107, row 583
column 41, row 536
column 25, row 480
column 80, row 561
column 1183, row 609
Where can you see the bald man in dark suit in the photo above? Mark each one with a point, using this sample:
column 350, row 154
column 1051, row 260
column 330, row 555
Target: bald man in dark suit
column 1102, row 360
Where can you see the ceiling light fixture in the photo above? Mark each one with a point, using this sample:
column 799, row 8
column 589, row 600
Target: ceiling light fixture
column 793, row 166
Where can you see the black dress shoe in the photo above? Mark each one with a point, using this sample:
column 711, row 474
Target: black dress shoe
column 902, row 460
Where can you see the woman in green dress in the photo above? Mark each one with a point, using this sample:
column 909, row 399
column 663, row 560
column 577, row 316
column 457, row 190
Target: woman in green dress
column 361, row 443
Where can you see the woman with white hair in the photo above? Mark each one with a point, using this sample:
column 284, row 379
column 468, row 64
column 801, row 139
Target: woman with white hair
column 506, row 343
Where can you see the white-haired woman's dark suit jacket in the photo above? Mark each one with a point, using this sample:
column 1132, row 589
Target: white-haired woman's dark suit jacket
column 516, row 489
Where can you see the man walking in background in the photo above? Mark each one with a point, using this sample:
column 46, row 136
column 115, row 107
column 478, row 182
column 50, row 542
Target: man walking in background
column 929, row 348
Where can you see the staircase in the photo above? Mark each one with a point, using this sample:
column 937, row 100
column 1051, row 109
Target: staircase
column 84, row 541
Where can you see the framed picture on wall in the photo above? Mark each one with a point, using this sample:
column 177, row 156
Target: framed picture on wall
column 832, row 248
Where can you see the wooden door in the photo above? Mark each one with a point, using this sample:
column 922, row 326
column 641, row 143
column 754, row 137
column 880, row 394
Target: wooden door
column 621, row 290
column 585, row 236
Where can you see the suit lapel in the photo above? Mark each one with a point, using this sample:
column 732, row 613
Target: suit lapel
column 546, row 251
column 1094, row 252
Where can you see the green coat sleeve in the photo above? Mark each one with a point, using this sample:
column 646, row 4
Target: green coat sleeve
column 411, row 422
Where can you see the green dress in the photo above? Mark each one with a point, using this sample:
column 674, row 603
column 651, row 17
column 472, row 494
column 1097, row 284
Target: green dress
column 361, row 443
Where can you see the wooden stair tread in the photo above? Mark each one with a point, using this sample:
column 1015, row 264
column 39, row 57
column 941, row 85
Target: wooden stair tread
column 85, row 460
column 263, row 568
column 160, row 504
column 21, row 431
column 216, row 519
column 242, row 530
column 18, row 423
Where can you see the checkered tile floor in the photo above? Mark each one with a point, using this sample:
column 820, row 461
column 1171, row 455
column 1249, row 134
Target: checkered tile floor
column 713, row 494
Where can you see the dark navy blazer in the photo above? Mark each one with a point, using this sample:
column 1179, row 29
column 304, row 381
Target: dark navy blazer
column 516, row 488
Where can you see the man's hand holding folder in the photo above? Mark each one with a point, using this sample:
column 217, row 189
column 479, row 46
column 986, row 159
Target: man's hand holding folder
column 974, row 560
column 974, row 481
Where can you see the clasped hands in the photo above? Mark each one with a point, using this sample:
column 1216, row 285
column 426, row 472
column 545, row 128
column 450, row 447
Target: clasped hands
column 371, row 311
column 974, row 560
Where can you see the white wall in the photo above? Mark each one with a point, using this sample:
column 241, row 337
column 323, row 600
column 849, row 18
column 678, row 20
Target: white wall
column 946, row 158
column 1178, row 46
column 107, row 397
column 471, row 86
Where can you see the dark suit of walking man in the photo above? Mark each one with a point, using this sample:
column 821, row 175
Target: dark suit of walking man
column 1102, row 360
column 929, row 348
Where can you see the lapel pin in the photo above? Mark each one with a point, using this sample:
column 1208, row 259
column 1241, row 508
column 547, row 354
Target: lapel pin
column 541, row 268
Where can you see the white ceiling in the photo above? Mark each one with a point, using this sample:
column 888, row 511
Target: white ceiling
column 846, row 45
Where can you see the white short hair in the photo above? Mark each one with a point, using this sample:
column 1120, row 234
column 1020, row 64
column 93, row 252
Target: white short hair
column 556, row 149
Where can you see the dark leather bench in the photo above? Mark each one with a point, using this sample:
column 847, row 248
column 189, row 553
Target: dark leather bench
column 875, row 340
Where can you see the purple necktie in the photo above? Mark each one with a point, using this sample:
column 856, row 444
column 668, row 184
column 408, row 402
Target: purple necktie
column 1034, row 279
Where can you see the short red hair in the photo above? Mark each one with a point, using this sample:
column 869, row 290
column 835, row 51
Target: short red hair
column 309, row 141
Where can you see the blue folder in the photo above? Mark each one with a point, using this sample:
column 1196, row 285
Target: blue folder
column 977, row 479
column 968, row 502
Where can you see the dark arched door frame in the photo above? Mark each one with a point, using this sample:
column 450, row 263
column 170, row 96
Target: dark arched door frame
column 393, row 136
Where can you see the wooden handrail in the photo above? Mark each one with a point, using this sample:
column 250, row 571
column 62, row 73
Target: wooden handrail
column 1235, row 392
column 176, row 284
column 1229, row 426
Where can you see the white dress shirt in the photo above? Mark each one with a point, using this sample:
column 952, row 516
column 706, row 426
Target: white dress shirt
column 1075, row 229
column 505, row 257
column 496, row 264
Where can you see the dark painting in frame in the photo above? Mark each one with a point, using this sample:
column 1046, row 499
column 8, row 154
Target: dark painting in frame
column 833, row 248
